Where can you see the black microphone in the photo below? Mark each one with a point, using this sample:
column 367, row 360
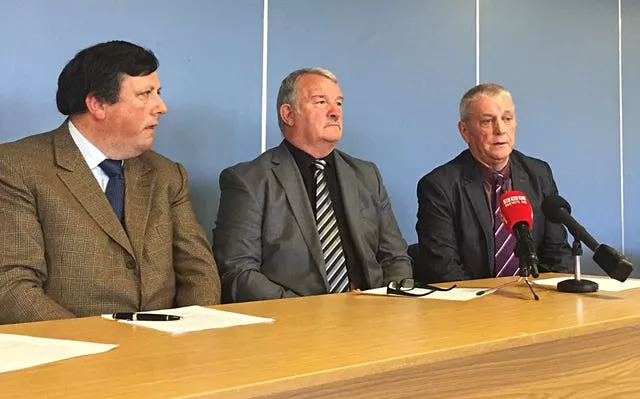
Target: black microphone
column 525, row 249
column 557, row 209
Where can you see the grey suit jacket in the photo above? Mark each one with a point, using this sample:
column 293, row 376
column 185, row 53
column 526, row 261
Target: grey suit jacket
column 63, row 251
column 266, row 242
column 455, row 228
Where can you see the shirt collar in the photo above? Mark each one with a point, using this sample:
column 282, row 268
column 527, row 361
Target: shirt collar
column 91, row 154
column 489, row 175
column 304, row 159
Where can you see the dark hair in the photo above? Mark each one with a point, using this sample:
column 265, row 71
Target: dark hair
column 98, row 70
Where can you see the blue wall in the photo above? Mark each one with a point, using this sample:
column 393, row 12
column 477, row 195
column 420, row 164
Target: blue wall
column 210, row 56
column 400, row 79
column 403, row 64
column 564, row 78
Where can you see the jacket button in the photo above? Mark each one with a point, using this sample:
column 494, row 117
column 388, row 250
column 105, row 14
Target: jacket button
column 131, row 264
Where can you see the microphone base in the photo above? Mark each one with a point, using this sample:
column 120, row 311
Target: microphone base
column 577, row 286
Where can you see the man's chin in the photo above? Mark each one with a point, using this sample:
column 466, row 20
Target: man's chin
column 502, row 153
column 144, row 147
column 333, row 137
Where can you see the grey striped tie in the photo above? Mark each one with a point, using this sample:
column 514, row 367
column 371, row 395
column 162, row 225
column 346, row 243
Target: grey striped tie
column 334, row 260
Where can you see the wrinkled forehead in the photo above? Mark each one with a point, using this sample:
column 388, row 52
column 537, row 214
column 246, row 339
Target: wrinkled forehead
column 495, row 104
column 311, row 83
column 150, row 80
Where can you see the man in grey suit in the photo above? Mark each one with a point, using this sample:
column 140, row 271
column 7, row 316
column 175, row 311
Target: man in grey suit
column 304, row 218
column 459, row 227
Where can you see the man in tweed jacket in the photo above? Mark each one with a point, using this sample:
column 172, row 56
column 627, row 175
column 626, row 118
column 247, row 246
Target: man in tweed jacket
column 65, row 251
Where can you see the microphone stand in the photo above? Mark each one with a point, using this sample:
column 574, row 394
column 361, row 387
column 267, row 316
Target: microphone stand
column 525, row 272
column 577, row 285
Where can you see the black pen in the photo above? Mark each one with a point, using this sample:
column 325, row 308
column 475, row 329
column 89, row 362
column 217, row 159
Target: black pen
column 144, row 316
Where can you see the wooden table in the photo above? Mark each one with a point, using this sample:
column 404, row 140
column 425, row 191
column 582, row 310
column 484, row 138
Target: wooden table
column 361, row 346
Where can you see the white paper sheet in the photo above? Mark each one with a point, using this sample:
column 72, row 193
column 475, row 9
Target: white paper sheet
column 196, row 318
column 21, row 351
column 604, row 283
column 456, row 294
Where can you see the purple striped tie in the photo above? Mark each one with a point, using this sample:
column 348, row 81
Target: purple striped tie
column 505, row 261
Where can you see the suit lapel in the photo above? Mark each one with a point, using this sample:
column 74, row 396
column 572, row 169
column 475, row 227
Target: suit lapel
column 139, row 182
column 474, row 190
column 349, row 186
column 521, row 181
column 82, row 184
column 519, row 178
column 286, row 172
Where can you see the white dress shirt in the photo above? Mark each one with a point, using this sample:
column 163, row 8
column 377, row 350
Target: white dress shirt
column 92, row 155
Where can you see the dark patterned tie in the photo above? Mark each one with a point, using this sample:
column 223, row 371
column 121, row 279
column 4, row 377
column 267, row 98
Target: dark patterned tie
column 334, row 260
column 115, row 187
column 505, row 261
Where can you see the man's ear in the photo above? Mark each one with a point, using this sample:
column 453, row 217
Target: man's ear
column 464, row 132
column 95, row 106
column 287, row 114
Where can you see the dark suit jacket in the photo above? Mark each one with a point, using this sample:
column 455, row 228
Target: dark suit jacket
column 266, row 242
column 63, row 251
column 455, row 229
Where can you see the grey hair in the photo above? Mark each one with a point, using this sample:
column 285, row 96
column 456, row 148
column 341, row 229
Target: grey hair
column 483, row 89
column 288, row 88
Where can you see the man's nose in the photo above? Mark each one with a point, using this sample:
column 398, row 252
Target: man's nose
column 161, row 107
column 335, row 112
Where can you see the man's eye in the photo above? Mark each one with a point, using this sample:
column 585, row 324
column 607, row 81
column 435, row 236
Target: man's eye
column 321, row 102
column 339, row 103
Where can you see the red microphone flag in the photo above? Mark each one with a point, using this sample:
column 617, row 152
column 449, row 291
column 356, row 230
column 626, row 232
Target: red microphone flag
column 515, row 208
